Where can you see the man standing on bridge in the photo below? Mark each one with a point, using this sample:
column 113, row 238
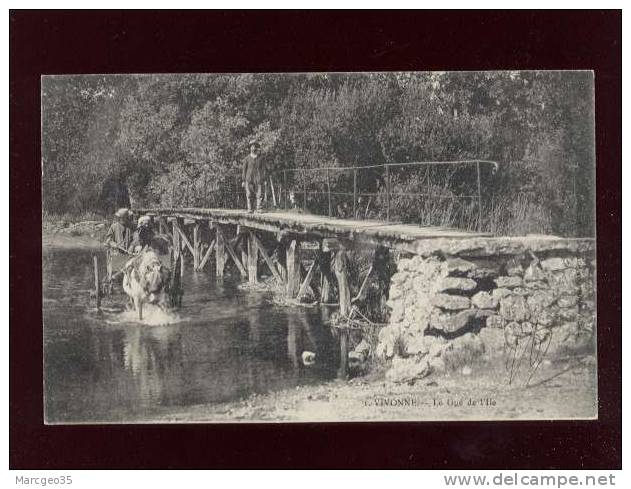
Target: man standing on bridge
column 253, row 176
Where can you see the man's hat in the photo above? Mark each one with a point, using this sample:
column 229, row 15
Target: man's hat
column 254, row 142
column 122, row 212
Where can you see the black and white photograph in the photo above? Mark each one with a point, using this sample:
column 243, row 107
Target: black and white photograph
column 319, row 247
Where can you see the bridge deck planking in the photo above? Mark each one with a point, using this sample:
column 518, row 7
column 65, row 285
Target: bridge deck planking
column 387, row 233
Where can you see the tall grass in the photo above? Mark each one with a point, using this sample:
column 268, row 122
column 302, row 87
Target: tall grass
column 520, row 214
column 436, row 204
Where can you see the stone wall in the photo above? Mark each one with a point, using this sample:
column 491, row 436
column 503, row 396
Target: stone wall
column 455, row 301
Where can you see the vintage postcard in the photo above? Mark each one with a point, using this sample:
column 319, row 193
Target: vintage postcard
column 399, row 246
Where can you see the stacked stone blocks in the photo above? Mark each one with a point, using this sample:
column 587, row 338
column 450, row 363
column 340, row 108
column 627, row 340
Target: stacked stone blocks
column 441, row 304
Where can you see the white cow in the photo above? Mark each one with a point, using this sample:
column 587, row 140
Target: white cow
column 146, row 280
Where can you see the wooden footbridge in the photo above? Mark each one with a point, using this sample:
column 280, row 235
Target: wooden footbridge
column 276, row 237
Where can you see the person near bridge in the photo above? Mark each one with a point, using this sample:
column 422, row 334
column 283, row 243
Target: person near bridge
column 119, row 235
column 143, row 237
column 253, row 177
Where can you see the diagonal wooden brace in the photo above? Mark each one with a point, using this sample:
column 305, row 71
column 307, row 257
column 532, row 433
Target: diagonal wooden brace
column 362, row 290
column 307, row 280
column 196, row 245
column 235, row 259
column 202, row 263
column 185, row 240
column 268, row 260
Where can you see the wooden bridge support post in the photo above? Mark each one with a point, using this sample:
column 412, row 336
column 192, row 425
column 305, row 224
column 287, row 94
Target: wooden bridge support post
column 253, row 258
column 324, row 261
column 220, row 251
column 340, row 266
column 341, row 273
column 293, row 269
column 196, row 245
column 176, row 280
column 179, row 225
column 244, row 254
column 176, row 242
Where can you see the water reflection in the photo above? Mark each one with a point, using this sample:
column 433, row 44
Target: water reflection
column 229, row 344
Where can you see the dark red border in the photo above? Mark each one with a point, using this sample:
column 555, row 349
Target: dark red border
column 122, row 42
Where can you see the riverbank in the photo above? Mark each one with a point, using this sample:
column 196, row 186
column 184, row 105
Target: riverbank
column 91, row 226
column 446, row 397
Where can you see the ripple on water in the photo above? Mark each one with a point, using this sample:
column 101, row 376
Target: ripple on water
column 151, row 316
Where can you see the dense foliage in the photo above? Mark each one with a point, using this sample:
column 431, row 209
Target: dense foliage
column 109, row 141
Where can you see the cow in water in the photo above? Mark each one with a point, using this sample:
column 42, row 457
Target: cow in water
column 147, row 280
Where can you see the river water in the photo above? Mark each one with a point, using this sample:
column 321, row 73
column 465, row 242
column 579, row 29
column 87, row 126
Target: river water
column 224, row 344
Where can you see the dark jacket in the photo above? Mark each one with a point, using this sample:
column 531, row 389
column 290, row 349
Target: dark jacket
column 254, row 169
column 143, row 236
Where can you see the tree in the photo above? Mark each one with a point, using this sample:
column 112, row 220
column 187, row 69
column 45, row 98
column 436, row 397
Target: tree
column 179, row 139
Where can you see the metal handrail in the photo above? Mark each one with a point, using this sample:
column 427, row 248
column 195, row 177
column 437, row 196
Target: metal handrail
column 280, row 177
column 386, row 167
column 382, row 165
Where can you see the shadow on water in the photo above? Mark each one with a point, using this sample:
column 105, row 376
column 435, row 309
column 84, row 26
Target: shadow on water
column 224, row 344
